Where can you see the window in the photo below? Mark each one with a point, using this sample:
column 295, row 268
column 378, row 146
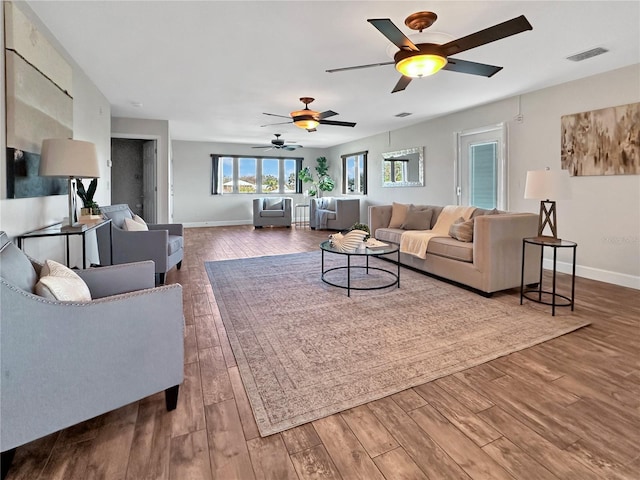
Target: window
column 482, row 168
column 354, row 173
column 237, row 174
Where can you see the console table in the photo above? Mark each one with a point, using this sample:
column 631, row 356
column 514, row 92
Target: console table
column 57, row 231
column 536, row 294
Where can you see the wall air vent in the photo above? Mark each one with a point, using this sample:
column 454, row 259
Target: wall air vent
column 578, row 57
column 403, row 114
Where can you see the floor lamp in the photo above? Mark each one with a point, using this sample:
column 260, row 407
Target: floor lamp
column 73, row 159
column 545, row 185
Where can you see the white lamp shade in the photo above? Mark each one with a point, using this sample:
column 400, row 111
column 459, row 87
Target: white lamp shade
column 63, row 157
column 547, row 185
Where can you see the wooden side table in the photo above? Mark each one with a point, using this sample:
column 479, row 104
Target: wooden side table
column 538, row 294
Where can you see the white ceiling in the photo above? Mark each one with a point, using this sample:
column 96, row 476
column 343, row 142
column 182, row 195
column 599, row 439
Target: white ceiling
column 212, row 68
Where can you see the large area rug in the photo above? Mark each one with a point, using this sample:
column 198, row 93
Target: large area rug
column 305, row 350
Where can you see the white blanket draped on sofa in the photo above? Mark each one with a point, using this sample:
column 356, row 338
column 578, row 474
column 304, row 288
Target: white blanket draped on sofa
column 415, row 242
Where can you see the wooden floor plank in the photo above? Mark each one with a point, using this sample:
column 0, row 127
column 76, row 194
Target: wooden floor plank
column 249, row 426
column 216, row 385
column 300, row 438
column 270, row 459
column 398, row 465
column 373, row 436
column 315, row 464
column 189, row 414
column 347, row 453
column 190, row 457
column 227, row 446
column 468, row 397
column 471, row 458
column 515, row 461
column 409, row 400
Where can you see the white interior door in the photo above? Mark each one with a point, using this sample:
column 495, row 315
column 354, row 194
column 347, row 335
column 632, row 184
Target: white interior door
column 481, row 168
column 149, row 154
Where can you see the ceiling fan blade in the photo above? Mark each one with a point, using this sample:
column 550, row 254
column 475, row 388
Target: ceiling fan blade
column 262, row 146
column 393, row 33
column 488, row 35
column 327, row 114
column 464, row 66
column 344, row 69
column 275, row 115
column 280, row 123
column 311, row 130
column 402, row 84
column 290, row 148
column 337, row 123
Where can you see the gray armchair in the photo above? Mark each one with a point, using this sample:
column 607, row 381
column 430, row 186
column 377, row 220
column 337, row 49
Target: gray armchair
column 65, row 362
column 333, row 213
column 162, row 243
column 275, row 211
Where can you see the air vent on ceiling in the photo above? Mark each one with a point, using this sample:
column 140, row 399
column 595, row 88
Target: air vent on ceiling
column 578, row 57
column 403, row 114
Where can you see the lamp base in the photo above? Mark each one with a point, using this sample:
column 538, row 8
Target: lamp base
column 548, row 217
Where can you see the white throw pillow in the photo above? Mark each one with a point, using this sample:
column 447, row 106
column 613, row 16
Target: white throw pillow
column 130, row 225
column 58, row 282
column 139, row 219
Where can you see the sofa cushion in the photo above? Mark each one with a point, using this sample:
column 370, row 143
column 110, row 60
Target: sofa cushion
column 398, row 214
column 140, row 220
column 330, row 214
column 130, row 225
column 117, row 214
column 462, row 230
column 273, row 203
column 16, row 268
column 272, row 213
column 482, row 211
column 417, row 219
column 176, row 244
column 58, row 282
column 451, row 248
column 389, row 234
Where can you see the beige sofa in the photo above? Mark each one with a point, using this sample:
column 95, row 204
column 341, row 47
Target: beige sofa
column 491, row 262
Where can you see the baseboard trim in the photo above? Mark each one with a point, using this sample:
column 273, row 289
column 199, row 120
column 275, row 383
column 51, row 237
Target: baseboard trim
column 607, row 276
column 226, row 223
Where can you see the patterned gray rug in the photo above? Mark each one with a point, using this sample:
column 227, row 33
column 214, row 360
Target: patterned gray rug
column 305, row 350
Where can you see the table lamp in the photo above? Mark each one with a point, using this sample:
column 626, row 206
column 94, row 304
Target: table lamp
column 64, row 157
column 545, row 185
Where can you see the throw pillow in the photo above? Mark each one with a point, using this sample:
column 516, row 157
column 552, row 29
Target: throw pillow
column 130, row 225
column 398, row 214
column 274, row 203
column 58, row 282
column 137, row 218
column 462, row 230
column 417, row 219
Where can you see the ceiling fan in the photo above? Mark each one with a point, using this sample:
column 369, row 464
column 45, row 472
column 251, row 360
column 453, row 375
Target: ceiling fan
column 423, row 59
column 279, row 144
column 310, row 119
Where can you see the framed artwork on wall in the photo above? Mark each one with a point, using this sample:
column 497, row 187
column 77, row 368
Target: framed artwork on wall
column 602, row 142
column 39, row 105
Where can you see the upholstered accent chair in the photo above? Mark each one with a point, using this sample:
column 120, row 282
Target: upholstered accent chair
column 333, row 213
column 64, row 362
column 272, row 211
column 162, row 243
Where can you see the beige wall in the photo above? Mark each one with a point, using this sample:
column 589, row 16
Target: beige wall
column 194, row 203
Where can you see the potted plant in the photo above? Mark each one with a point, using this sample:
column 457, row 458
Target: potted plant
column 89, row 206
column 361, row 226
column 322, row 183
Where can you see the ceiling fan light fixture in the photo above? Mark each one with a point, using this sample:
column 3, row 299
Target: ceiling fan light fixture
column 305, row 119
column 420, row 65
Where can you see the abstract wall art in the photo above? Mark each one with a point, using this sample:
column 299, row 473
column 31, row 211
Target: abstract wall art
column 602, row 142
column 39, row 104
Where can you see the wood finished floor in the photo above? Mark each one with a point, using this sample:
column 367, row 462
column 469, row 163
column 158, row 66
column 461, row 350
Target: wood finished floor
column 566, row 409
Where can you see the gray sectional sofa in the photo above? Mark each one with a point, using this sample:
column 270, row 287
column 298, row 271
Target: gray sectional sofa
column 489, row 263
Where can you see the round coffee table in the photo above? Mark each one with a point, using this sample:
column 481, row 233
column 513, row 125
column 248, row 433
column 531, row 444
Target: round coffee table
column 365, row 252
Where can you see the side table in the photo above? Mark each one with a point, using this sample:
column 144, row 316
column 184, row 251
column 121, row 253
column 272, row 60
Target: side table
column 301, row 215
column 536, row 294
column 57, row 231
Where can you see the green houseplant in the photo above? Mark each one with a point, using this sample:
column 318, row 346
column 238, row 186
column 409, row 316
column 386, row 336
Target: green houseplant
column 322, row 182
column 87, row 197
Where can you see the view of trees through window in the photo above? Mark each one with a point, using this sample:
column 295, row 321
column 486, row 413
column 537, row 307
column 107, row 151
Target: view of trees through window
column 354, row 168
column 257, row 174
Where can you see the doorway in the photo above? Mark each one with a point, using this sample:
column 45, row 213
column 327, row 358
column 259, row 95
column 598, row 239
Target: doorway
column 133, row 175
column 481, row 168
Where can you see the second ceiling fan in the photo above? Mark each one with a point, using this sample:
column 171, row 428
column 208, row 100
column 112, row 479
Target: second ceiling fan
column 310, row 119
column 415, row 61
